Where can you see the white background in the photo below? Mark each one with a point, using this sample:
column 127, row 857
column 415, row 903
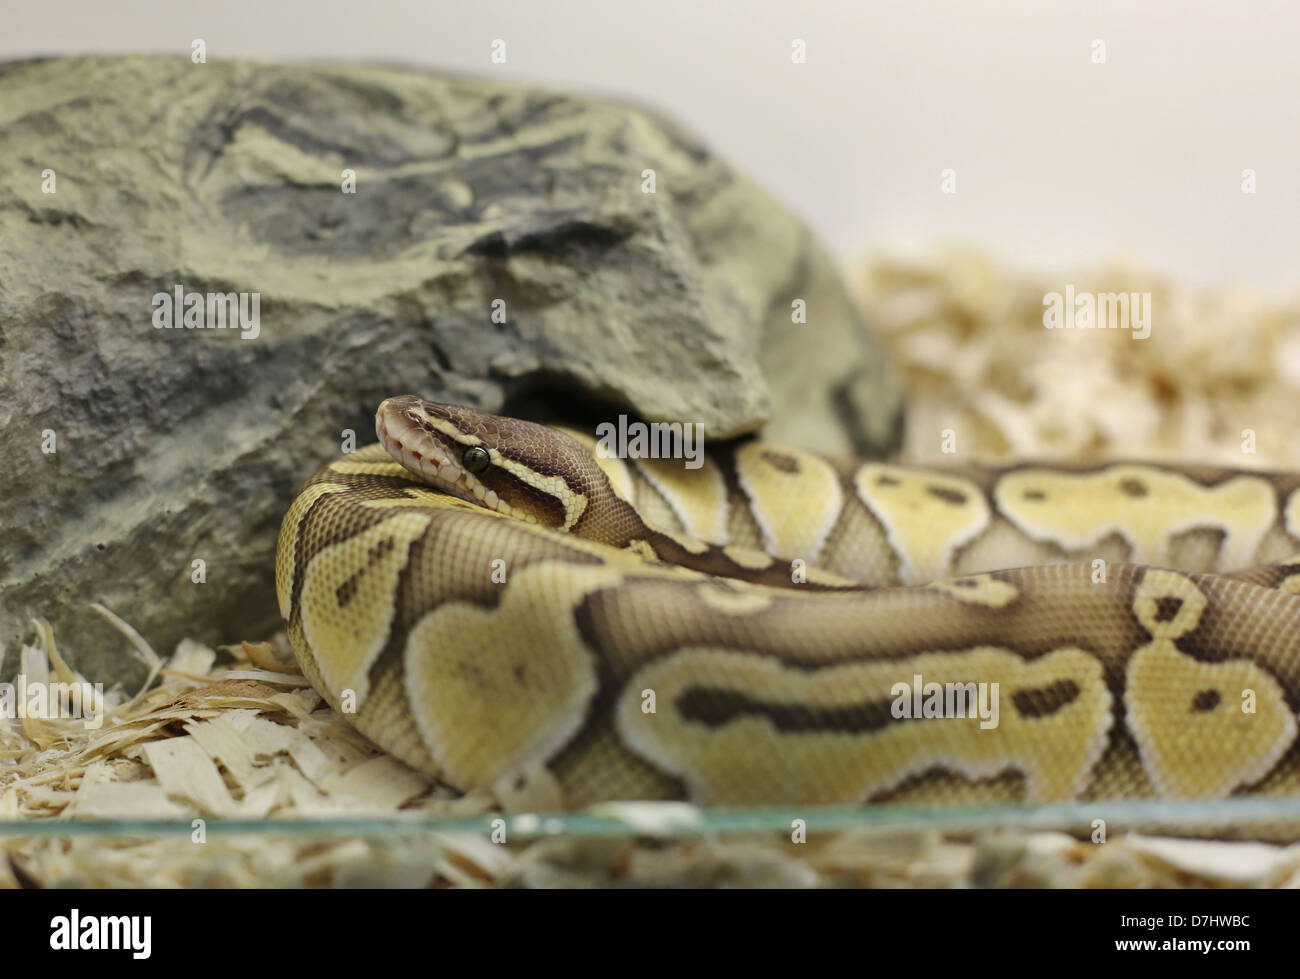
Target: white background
column 1060, row 162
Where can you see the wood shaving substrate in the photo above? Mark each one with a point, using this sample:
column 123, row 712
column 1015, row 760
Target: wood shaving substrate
column 245, row 741
column 979, row 362
column 242, row 736
column 251, row 741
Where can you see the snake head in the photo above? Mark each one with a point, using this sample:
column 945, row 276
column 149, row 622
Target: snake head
column 513, row 467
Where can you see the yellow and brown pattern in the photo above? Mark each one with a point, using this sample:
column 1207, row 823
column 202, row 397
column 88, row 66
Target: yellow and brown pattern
column 489, row 601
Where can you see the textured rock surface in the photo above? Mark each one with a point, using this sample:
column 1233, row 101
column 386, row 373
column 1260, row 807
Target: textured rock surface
column 177, row 445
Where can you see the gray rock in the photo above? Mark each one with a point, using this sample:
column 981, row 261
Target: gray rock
column 180, row 445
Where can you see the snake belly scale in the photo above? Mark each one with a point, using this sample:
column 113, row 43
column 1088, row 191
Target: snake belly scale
column 494, row 603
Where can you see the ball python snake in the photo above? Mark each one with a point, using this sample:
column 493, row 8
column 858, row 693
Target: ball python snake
column 501, row 606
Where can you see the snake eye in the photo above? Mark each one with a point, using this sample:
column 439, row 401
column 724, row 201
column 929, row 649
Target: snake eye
column 476, row 459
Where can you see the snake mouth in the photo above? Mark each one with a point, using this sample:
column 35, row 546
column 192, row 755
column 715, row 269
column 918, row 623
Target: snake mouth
column 402, row 430
column 414, row 433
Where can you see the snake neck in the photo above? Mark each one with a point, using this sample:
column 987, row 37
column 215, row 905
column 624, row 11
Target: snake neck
column 545, row 476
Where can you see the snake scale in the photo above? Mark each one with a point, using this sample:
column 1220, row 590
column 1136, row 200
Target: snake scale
column 502, row 607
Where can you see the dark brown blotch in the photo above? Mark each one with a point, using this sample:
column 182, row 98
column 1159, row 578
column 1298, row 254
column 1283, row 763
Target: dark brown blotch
column 715, row 707
column 781, row 461
column 1205, row 701
column 951, row 496
column 1133, row 487
column 1167, row 607
column 1045, row 701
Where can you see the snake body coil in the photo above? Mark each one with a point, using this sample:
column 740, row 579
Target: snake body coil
column 492, row 603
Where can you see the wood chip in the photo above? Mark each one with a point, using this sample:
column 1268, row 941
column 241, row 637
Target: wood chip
column 188, row 773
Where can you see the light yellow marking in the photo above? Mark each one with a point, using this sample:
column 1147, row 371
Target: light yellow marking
column 1170, row 587
column 497, row 690
column 642, row 549
column 347, row 635
column 348, row 467
column 796, row 509
column 451, row 429
column 287, row 543
column 1290, row 584
column 425, row 498
column 979, row 589
column 748, row 557
column 1291, row 514
column 698, row 497
column 614, row 468
column 574, row 503
column 819, row 576
column 417, row 493
column 748, row 761
column 1190, row 752
column 927, row 516
column 1077, row 510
